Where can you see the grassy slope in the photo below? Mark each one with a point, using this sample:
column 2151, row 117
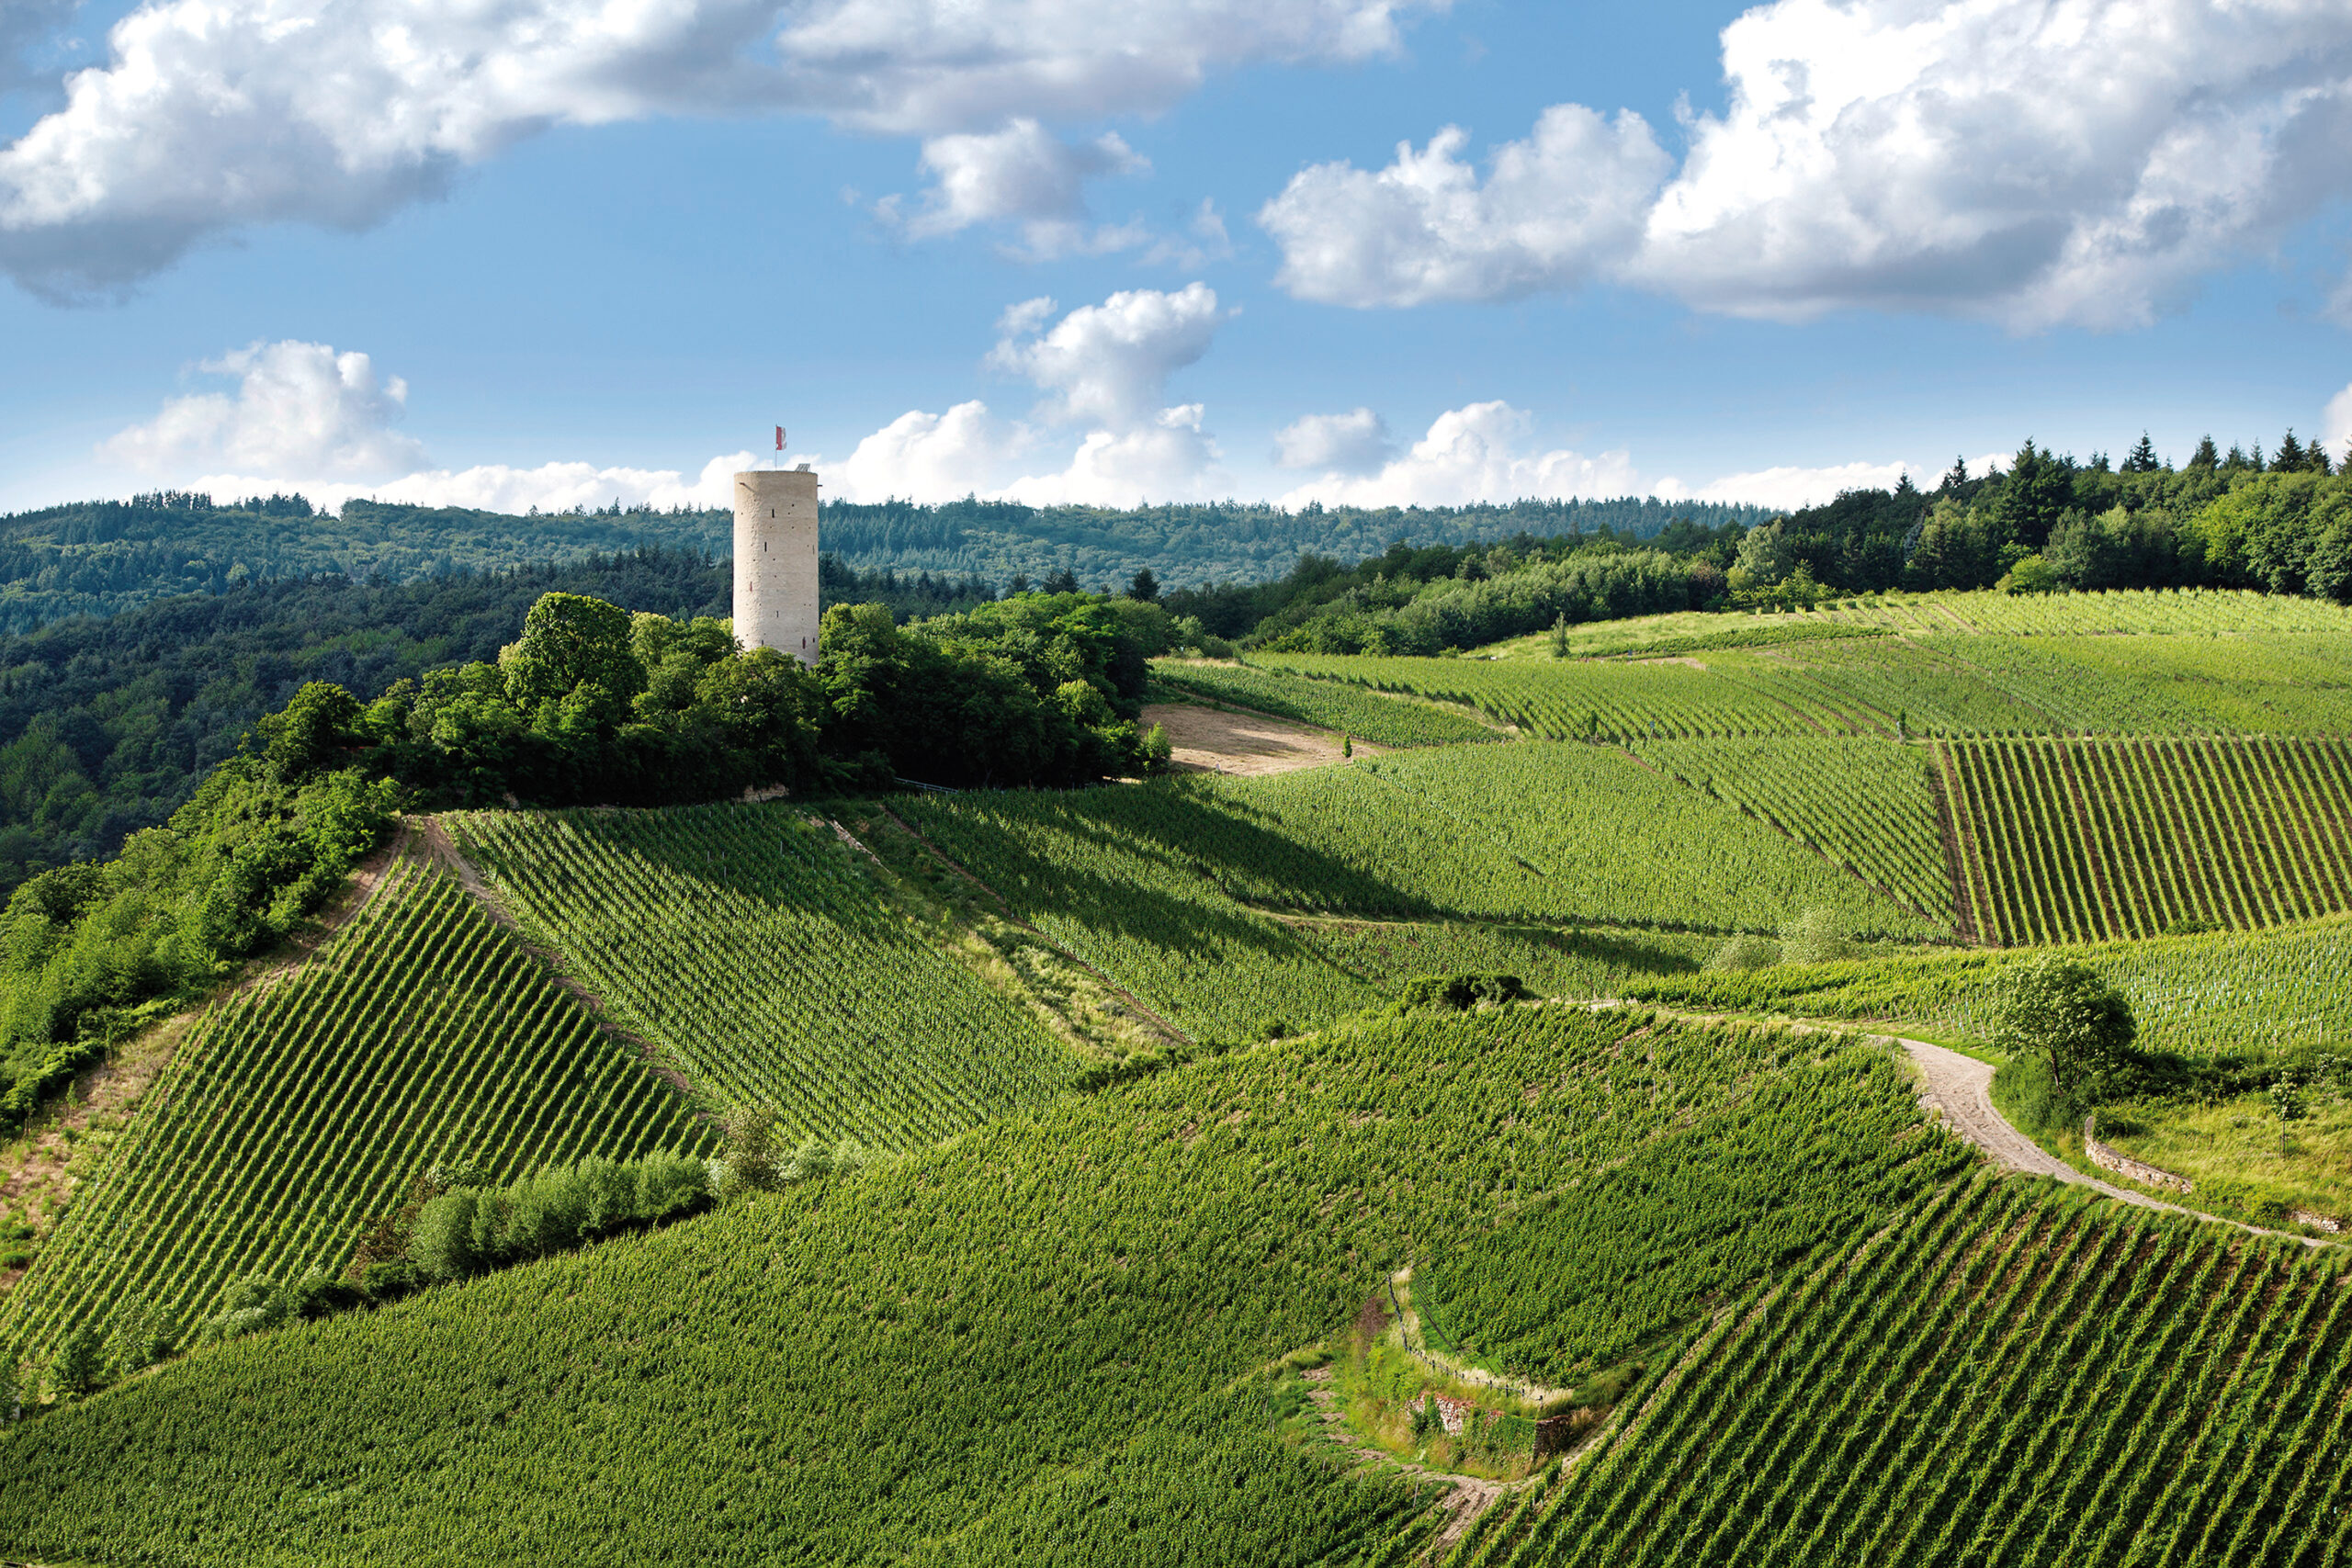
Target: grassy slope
column 752, row 948
column 977, row 1352
column 421, row 1031
column 1382, row 720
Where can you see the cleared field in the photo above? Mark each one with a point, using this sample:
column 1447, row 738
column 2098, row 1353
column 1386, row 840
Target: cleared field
column 743, row 944
column 420, row 1033
column 1865, row 804
column 1041, row 1344
column 2017, row 1375
column 2074, row 840
column 1384, row 721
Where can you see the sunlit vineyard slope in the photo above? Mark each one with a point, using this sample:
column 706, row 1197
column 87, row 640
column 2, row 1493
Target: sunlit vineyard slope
column 421, row 1031
column 2098, row 839
column 977, row 1353
column 2016, row 1375
column 745, row 944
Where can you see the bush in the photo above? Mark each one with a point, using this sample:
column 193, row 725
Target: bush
column 2058, row 1011
column 1461, row 992
column 1745, row 953
column 1816, row 936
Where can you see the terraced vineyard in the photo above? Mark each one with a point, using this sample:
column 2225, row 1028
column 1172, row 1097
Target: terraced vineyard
column 743, row 942
column 1384, row 721
column 2016, row 1375
column 420, row 1033
column 1866, row 805
column 2068, row 841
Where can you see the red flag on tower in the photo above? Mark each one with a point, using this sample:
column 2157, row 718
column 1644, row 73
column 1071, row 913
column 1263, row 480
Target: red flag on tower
column 779, row 438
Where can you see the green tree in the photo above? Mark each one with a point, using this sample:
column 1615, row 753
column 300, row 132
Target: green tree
column 2061, row 1012
column 570, row 641
column 750, row 1154
column 1766, row 555
column 2207, row 457
column 2039, row 487
column 2142, row 458
column 1144, row 589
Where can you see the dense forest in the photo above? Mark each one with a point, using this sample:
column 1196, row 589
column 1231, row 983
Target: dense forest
column 101, row 558
column 2280, row 524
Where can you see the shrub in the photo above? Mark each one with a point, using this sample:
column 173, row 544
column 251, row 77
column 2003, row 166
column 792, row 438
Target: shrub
column 1816, row 936
column 1461, row 992
column 1745, row 953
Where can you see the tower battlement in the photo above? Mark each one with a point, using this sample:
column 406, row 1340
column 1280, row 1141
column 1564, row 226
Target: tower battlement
column 776, row 561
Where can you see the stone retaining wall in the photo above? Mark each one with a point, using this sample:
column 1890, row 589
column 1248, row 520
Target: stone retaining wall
column 2116, row 1160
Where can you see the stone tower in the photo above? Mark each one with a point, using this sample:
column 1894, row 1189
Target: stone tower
column 776, row 561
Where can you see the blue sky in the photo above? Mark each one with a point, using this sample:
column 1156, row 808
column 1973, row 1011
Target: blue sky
column 590, row 258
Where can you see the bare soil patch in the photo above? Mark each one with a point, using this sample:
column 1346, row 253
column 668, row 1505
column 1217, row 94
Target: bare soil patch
column 1212, row 741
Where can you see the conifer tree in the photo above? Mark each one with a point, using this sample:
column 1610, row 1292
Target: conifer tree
column 2205, row 457
column 2290, row 458
column 2142, row 457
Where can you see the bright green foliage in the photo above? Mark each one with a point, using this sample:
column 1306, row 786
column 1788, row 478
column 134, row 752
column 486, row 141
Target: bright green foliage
column 298, row 1107
column 1006, row 1349
column 1864, row 804
column 1384, row 721
column 2017, row 1375
column 2100, row 839
column 2222, row 994
column 1814, row 1155
column 743, row 944
column 473, row 1229
column 2060, row 1012
column 1534, row 831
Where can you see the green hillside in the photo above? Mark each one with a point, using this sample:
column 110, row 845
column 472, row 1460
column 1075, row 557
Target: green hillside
column 973, row 1354
column 305, row 1101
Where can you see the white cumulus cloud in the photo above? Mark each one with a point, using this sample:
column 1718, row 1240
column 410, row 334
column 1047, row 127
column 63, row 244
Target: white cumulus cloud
column 1022, row 174
column 2335, row 424
column 550, row 486
column 1351, row 443
column 1554, row 211
column 299, row 410
column 211, row 115
column 926, row 457
column 2033, row 162
column 1787, row 488
column 1475, row 454
column 1109, row 364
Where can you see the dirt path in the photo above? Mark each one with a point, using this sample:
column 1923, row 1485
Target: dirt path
column 1221, row 740
column 1960, row 1089
column 1471, row 1495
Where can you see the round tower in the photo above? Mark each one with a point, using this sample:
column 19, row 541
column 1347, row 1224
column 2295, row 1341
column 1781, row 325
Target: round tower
column 776, row 561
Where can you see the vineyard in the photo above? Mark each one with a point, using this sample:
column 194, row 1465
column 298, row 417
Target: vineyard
column 420, row 1032
column 1864, row 805
column 2073, row 840
column 2016, row 1374
column 745, row 945
column 2125, row 612
column 1945, row 684
column 2261, row 992
column 1033, row 1345
column 1384, row 721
